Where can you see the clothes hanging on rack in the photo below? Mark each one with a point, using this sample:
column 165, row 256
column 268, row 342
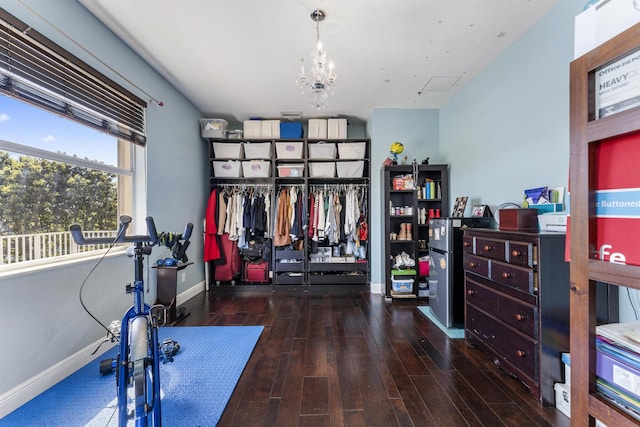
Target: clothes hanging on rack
column 211, row 239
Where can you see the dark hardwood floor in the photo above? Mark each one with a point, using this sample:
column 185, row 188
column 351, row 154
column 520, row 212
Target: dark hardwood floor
column 330, row 357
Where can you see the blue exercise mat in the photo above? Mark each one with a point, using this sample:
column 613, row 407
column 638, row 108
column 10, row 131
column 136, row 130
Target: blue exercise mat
column 195, row 387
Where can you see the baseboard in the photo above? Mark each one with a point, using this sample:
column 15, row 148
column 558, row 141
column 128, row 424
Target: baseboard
column 29, row 389
column 377, row 288
column 190, row 293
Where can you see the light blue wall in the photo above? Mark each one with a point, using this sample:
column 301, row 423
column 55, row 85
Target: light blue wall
column 41, row 321
column 508, row 129
column 417, row 129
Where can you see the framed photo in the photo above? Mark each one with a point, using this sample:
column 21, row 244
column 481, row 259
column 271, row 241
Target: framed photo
column 478, row 210
column 459, row 207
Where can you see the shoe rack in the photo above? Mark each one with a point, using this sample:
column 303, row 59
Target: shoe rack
column 411, row 194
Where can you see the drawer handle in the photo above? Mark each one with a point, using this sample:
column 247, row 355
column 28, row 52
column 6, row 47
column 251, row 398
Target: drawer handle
column 506, row 275
column 487, row 248
column 466, row 244
column 473, row 264
column 516, row 253
column 470, row 292
column 520, row 353
column 520, row 317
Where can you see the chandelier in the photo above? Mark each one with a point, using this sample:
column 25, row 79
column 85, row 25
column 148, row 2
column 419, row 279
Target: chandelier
column 319, row 82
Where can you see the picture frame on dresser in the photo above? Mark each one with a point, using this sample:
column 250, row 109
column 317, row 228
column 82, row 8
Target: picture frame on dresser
column 459, row 207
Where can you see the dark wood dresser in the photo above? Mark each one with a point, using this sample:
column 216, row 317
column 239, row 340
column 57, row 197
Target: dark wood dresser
column 517, row 303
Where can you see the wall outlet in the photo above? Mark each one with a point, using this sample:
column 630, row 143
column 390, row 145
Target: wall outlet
column 184, row 277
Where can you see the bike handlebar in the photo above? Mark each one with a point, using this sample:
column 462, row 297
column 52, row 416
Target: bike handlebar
column 125, row 220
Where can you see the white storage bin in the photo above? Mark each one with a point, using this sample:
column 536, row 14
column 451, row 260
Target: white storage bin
column 317, row 128
column 293, row 170
column 227, row 150
column 337, row 128
column 352, row 150
column 289, row 150
column 350, row 169
column 256, row 169
column 228, row 169
column 322, row 151
column 213, row 128
column 257, row 150
column 322, row 169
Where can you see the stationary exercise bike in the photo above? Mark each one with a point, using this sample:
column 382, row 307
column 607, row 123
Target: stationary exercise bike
column 138, row 363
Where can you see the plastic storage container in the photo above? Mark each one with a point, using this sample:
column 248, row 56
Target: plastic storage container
column 352, row 150
column 256, row 169
column 322, row 169
column 213, row 128
column 322, row 151
column 228, row 169
column 291, row 130
column 257, row 150
column 350, row 169
column 289, row 150
column 403, row 285
column 294, row 170
column 227, row 150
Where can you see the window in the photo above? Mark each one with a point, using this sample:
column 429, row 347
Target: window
column 68, row 143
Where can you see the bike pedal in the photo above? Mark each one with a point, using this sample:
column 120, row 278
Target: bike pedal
column 107, row 366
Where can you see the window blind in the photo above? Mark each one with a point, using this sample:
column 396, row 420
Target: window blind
column 36, row 70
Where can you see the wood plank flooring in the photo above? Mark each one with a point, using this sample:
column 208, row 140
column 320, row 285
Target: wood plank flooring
column 335, row 357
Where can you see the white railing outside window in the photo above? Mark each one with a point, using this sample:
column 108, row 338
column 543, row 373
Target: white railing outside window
column 28, row 247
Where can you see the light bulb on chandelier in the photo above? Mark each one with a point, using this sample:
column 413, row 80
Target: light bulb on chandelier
column 320, row 81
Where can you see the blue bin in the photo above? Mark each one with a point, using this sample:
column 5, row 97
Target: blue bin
column 291, row 130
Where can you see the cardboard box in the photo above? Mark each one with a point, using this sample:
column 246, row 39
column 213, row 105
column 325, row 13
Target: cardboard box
column 521, row 219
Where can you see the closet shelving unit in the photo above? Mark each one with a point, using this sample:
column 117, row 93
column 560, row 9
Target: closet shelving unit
column 587, row 132
column 303, row 272
column 414, row 198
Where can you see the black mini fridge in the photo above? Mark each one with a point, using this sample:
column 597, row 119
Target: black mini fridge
column 446, row 272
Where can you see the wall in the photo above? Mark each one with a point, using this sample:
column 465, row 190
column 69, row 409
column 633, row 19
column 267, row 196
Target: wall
column 42, row 320
column 508, row 129
column 417, row 129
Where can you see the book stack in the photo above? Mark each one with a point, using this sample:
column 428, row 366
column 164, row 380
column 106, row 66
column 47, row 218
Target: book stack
column 618, row 365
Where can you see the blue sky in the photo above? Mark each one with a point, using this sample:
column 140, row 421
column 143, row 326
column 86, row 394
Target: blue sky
column 24, row 124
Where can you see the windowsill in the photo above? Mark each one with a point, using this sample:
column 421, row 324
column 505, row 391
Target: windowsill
column 28, row 267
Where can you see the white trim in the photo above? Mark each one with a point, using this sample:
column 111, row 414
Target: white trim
column 376, row 288
column 21, row 394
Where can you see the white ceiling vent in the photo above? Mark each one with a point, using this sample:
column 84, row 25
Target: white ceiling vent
column 439, row 84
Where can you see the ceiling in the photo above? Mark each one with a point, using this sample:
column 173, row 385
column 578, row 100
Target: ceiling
column 240, row 59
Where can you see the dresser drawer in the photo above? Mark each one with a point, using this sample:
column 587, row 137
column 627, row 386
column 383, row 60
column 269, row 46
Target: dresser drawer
column 491, row 248
column 512, row 346
column 467, row 244
column 521, row 316
column 476, row 265
column 513, row 276
column 480, row 296
column 521, row 253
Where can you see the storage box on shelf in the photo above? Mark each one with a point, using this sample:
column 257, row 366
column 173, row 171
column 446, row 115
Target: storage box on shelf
column 227, row 150
column 291, row 170
column 257, row 150
column 227, row 169
column 213, row 128
column 289, row 149
column 322, row 150
column 256, row 168
column 322, row 169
